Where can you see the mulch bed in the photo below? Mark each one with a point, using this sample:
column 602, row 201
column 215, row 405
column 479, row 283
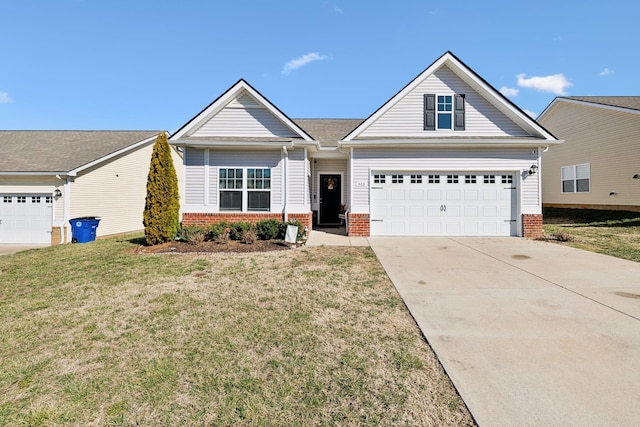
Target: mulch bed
column 232, row 246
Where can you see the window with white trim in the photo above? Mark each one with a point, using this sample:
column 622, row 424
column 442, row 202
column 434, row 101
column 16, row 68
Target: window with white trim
column 576, row 178
column 444, row 112
column 245, row 189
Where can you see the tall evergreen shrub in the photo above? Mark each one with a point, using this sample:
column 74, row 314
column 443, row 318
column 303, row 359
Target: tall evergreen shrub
column 161, row 217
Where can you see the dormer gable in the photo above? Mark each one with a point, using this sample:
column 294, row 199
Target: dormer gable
column 241, row 112
column 448, row 100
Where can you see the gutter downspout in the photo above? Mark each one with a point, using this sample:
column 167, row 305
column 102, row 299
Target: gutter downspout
column 66, row 210
column 285, row 165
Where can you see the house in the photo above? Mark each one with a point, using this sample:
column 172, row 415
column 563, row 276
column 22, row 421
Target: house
column 598, row 167
column 447, row 155
column 50, row 177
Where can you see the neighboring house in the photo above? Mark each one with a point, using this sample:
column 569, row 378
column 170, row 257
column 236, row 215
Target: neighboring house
column 448, row 155
column 598, row 167
column 49, row 177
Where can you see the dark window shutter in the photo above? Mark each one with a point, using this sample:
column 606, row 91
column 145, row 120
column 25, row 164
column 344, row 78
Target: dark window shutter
column 458, row 111
column 430, row 112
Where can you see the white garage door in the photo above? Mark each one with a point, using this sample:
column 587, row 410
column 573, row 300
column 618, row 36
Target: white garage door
column 443, row 204
column 25, row 218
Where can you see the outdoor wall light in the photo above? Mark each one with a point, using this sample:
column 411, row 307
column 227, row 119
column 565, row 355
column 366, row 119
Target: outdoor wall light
column 57, row 193
column 612, row 193
column 533, row 169
column 636, row 176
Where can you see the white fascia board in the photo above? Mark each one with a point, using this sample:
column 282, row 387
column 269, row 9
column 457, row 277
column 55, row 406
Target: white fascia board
column 74, row 172
column 506, row 143
column 559, row 100
column 232, row 144
column 397, row 97
column 225, row 99
column 65, row 173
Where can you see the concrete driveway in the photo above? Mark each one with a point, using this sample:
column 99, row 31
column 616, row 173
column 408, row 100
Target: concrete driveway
column 531, row 333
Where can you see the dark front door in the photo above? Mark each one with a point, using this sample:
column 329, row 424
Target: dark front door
column 330, row 198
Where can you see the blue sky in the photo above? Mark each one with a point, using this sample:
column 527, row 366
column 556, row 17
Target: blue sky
column 139, row 64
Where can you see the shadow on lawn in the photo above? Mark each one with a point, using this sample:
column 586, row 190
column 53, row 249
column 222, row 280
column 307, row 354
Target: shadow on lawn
column 591, row 218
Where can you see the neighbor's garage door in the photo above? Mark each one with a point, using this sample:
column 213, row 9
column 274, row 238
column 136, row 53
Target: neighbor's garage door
column 442, row 204
column 25, row 218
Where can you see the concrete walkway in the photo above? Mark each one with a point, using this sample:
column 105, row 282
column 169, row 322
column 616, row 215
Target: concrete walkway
column 531, row 333
column 334, row 237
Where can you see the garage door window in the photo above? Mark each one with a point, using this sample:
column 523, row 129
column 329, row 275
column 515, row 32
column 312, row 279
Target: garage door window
column 7, row 199
column 379, row 179
column 507, row 179
column 397, row 179
column 452, row 179
column 434, row 179
column 469, row 179
column 489, row 179
column 22, row 199
column 416, row 179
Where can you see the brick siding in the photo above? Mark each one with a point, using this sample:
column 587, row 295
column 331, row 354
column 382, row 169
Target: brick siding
column 359, row 225
column 532, row 225
column 253, row 217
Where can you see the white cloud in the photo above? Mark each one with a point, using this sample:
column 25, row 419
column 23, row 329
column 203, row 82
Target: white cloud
column 530, row 113
column 556, row 83
column 509, row 91
column 606, row 72
column 338, row 10
column 294, row 64
column 5, row 98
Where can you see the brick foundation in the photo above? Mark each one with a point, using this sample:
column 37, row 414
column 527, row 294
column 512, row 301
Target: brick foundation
column 253, row 217
column 359, row 225
column 56, row 234
column 531, row 225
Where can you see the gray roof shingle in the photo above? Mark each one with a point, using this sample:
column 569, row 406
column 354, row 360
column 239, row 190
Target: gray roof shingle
column 328, row 131
column 631, row 102
column 61, row 151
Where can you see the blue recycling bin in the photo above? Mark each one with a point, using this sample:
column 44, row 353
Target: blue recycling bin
column 83, row 229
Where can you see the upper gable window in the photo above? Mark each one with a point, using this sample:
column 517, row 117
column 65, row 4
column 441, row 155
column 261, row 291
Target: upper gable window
column 444, row 112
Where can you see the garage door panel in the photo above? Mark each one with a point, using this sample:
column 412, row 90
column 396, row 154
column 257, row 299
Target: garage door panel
column 25, row 218
column 439, row 204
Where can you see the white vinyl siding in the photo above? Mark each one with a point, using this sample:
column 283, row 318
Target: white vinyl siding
column 297, row 178
column 244, row 117
column 194, row 176
column 607, row 140
column 406, row 117
column 196, row 170
column 512, row 161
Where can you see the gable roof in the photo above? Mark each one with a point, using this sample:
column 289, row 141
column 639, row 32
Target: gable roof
column 230, row 95
column 60, row 152
column 470, row 77
column 629, row 104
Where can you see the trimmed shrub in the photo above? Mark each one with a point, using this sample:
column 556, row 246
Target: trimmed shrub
column 223, row 237
column 268, row 229
column 250, row 236
column 218, row 229
column 193, row 234
column 161, row 216
column 239, row 228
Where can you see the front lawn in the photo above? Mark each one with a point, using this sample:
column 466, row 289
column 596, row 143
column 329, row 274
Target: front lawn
column 97, row 334
column 615, row 233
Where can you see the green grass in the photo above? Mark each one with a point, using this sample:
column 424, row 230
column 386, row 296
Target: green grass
column 615, row 233
column 96, row 334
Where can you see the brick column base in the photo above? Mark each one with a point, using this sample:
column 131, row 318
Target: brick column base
column 305, row 219
column 359, row 225
column 532, row 225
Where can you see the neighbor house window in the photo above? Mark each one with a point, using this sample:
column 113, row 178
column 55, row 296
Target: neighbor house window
column 245, row 189
column 575, row 178
column 444, row 112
